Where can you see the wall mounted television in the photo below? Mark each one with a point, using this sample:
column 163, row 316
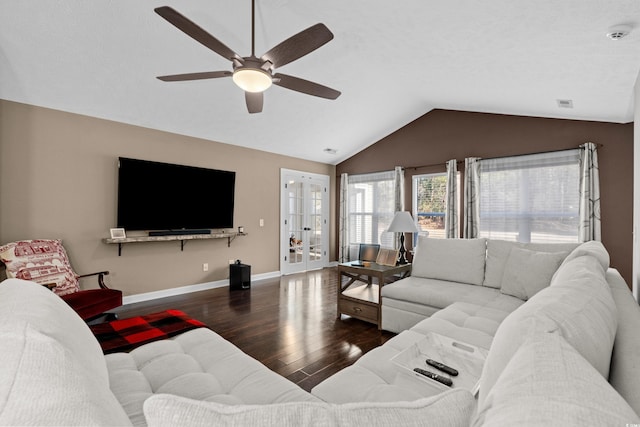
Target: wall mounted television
column 154, row 196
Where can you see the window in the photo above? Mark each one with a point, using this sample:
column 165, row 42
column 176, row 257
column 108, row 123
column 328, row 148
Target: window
column 371, row 209
column 429, row 203
column 530, row 198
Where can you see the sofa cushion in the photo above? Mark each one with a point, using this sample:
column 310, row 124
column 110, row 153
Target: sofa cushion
column 455, row 260
column 52, row 371
column 547, row 382
column 24, row 301
column 498, row 252
column 43, row 383
column 578, row 305
column 625, row 369
column 471, row 323
column 592, row 248
column 197, row 364
column 400, row 319
column 408, row 301
column 439, row 294
column 42, row 261
column 452, row 408
column 372, row 378
column 528, row 272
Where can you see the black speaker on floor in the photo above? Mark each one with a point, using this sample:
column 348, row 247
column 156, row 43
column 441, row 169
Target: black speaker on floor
column 239, row 276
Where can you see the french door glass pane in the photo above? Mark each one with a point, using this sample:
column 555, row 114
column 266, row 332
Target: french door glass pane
column 295, row 221
column 315, row 222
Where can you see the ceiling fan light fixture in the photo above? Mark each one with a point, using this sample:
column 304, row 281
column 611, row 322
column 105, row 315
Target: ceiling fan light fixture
column 254, row 74
column 252, row 79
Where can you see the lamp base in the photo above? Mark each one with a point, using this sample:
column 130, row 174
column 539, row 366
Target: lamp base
column 401, row 252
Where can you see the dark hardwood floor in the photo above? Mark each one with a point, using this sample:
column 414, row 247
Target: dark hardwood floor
column 288, row 323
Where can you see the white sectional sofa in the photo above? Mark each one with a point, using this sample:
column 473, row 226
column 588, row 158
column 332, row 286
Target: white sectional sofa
column 466, row 270
column 53, row 372
column 569, row 355
column 508, row 298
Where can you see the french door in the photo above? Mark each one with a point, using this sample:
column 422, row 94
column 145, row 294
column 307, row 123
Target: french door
column 304, row 216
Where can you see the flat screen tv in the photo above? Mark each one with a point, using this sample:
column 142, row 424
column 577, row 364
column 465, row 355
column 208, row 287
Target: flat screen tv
column 154, row 196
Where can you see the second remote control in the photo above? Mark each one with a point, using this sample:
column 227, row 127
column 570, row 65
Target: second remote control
column 444, row 368
column 444, row 380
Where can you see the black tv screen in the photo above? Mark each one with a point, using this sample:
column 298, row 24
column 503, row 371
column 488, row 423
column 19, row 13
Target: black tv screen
column 164, row 196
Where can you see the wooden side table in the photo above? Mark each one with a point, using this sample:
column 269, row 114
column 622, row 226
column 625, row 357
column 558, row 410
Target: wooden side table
column 359, row 296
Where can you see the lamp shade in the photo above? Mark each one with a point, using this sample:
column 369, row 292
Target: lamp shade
column 403, row 223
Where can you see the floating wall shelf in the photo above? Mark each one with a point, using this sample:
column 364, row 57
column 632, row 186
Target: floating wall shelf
column 183, row 238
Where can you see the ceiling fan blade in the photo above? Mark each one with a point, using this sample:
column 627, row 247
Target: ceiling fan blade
column 299, row 45
column 304, row 86
column 195, row 76
column 254, row 101
column 195, row 32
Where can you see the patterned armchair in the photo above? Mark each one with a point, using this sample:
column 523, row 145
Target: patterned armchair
column 46, row 262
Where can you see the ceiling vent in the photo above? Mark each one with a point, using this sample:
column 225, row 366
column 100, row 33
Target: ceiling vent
column 565, row 103
column 618, row 32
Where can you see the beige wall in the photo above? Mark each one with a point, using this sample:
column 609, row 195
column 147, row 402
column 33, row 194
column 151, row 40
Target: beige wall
column 58, row 179
column 424, row 145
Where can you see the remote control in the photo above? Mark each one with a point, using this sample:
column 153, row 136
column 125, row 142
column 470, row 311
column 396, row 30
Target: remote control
column 441, row 366
column 444, row 380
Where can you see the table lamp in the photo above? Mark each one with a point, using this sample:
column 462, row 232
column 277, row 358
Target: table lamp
column 402, row 223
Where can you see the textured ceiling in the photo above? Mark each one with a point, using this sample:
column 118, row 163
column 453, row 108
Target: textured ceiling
column 392, row 61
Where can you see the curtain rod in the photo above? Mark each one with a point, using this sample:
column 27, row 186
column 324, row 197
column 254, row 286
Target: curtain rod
column 459, row 162
column 500, row 157
column 541, row 152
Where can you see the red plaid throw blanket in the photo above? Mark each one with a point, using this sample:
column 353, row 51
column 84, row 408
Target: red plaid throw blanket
column 127, row 334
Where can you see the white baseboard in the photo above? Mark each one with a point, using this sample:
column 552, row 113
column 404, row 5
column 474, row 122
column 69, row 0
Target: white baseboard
column 147, row 296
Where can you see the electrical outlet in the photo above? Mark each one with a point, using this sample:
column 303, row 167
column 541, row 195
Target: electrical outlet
column 261, row 222
column 232, row 261
column 205, row 266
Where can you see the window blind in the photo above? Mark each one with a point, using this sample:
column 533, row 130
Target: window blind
column 530, row 198
column 371, row 209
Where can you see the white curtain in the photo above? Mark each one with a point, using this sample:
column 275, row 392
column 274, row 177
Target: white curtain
column 398, row 174
column 399, row 185
column 471, row 197
column 451, row 228
column 589, row 194
column 343, row 235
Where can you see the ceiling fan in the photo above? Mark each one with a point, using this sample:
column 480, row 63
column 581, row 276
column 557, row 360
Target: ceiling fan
column 256, row 74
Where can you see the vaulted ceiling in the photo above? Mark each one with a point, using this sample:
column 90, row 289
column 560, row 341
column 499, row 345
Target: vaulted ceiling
column 392, row 61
